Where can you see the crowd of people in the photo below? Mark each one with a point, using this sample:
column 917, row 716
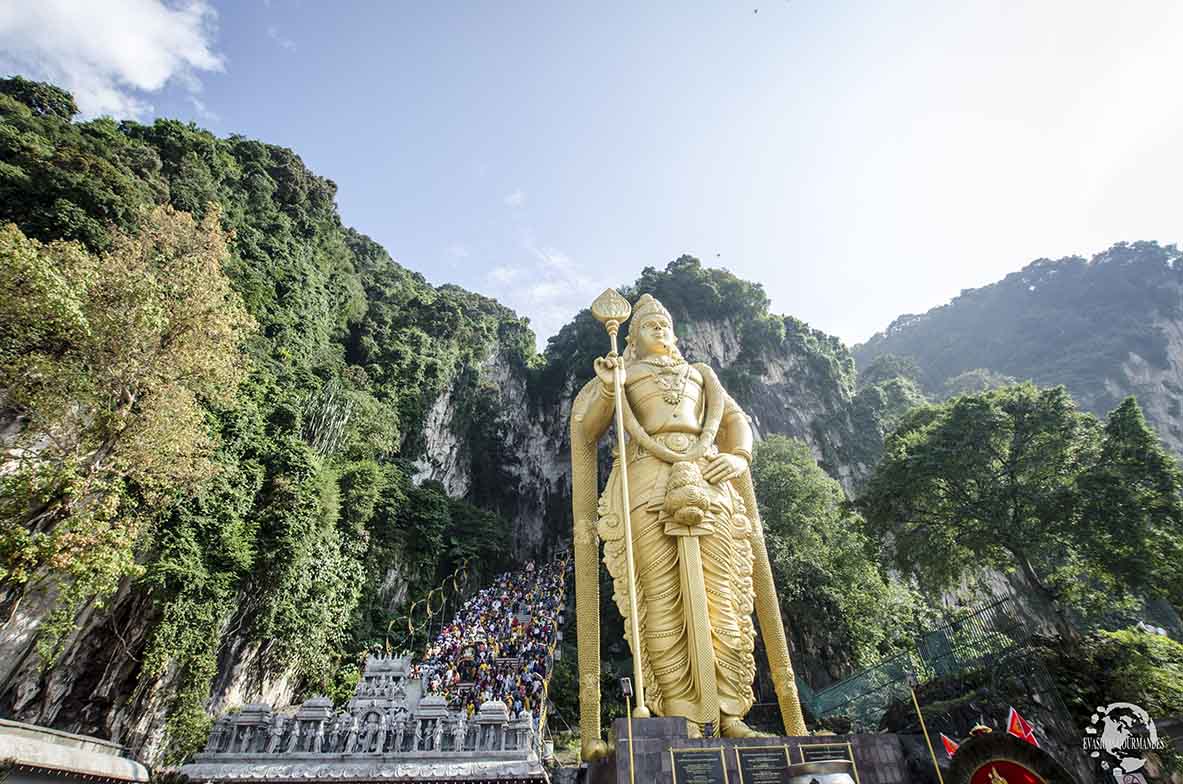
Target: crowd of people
column 499, row 646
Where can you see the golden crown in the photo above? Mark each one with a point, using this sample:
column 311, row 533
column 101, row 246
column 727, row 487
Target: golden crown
column 647, row 306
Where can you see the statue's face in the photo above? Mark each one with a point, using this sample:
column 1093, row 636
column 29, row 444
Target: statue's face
column 654, row 335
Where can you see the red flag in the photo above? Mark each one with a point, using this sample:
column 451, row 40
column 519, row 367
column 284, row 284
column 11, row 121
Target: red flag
column 951, row 745
column 1019, row 727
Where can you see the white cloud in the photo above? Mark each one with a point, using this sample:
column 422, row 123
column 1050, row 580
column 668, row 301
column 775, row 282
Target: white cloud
column 109, row 53
column 515, row 199
column 547, row 285
column 274, row 34
column 547, row 290
column 550, row 258
column 203, row 111
column 503, row 274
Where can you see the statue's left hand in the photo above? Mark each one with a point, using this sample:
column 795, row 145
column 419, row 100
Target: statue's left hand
column 725, row 467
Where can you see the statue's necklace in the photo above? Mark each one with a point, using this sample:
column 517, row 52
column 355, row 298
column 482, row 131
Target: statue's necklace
column 672, row 380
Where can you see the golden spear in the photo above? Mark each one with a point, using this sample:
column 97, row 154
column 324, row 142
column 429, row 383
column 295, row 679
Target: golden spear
column 612, row 310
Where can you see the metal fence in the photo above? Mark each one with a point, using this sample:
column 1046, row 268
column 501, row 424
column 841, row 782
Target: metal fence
column 966, row 642
column 972, row 641
column 863, row 698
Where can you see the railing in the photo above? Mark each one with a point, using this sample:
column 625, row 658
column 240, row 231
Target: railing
column 983, row 635
column 540, row 735
column 963, row 643
column 863, row 698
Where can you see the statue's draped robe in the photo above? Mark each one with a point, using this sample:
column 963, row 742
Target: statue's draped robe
column 695, row 664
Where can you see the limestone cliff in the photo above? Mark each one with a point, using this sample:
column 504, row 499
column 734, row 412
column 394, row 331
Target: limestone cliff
column 94, row 685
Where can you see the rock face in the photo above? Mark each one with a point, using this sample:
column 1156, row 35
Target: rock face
column 93, row 685
column 1158, row 386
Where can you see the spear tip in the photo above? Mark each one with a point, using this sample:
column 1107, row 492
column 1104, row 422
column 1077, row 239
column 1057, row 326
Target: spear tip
column 611, row 306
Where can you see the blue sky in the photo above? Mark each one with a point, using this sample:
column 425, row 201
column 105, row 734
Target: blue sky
column 861, row 160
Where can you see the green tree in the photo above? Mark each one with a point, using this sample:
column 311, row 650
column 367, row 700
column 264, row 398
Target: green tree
column 43, row 99
column 971, row 382
column 70, row 181
column 1018, row 478
column 106, row 361
column 832, row 592
column 1131, row 503
column 888, row 366
column 1126, row 665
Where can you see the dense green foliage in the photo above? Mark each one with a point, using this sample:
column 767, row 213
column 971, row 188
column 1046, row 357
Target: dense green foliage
column 106, row 362
column 40, row 97
column 832, row 591
column 886, row 367
column 716, row 296
column 874, row 412
column 973, row 381
column 304, row 501
column 1018, row 479
column 1069, row 321
column 1126, row 666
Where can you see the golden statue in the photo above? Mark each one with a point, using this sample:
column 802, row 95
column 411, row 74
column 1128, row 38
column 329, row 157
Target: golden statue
column 687, row 549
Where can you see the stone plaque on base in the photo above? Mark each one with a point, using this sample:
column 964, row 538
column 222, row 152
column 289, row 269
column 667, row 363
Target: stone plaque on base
column 698, row 766
column 762, row 764
column 821, row 752
column 646, row 747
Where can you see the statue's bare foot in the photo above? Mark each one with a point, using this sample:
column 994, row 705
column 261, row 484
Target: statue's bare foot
column 734, row 727
column 693, row 730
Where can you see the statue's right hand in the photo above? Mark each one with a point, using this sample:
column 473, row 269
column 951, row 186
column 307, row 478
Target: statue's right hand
column 605, row 368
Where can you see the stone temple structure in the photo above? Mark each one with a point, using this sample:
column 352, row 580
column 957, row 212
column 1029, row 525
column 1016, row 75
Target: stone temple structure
column 389, row 731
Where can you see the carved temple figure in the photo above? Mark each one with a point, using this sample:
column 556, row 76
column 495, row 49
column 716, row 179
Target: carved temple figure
column 276, row 735
column 366, row 736
column 318, row 738
column 400, row 728
column 421, row 736
column 248, row 738
column 293, row 737
column 351, row 739
column 334, row 734
column 529, row 736
column 699, row 560
column 458, row 731
column 437, row 735
column 380, row 745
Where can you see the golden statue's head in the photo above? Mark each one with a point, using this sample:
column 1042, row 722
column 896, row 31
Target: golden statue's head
column 651, row 332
